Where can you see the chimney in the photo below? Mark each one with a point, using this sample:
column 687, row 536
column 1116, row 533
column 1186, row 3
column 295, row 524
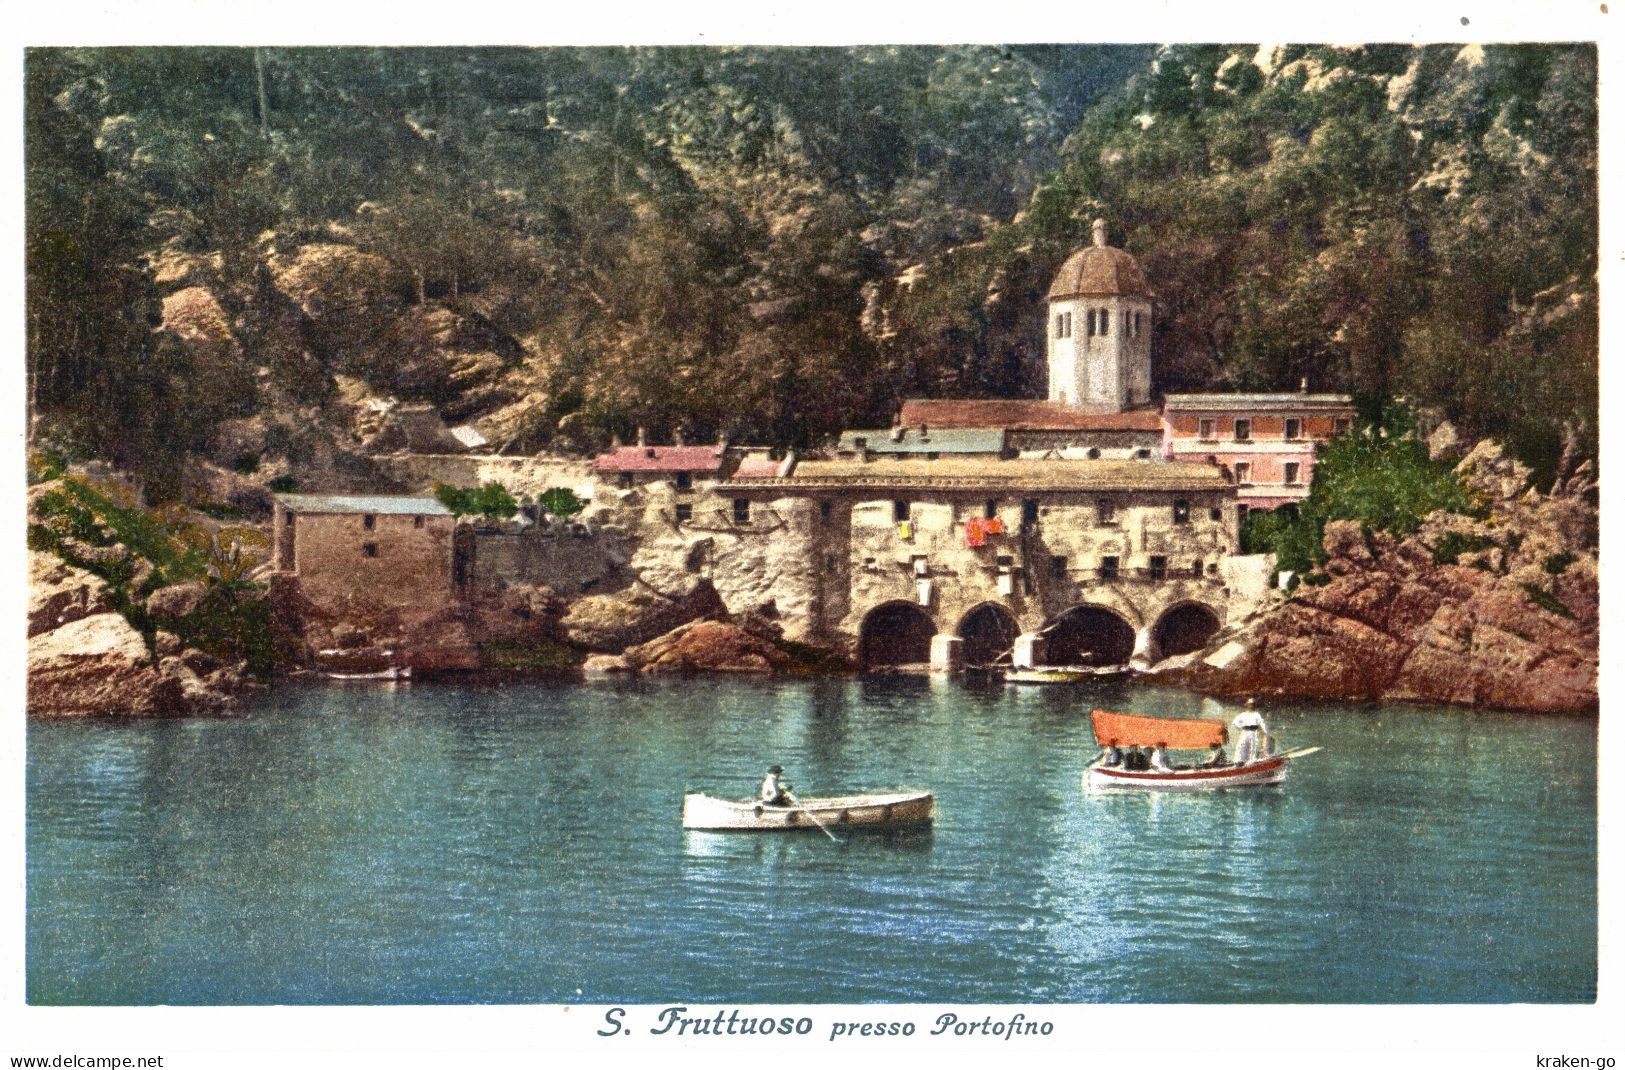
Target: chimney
column 677, row 438
column 1303, row 385
column 615, row 442
column 925, row 432
column 1100, row 234
column 897, row 433
column 643, row 435
column 787, row 465
column 722, row 441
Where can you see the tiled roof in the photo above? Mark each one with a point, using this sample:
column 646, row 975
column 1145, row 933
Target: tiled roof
column 1098, row 271
column 659, row 459
column 966, row 473
column 1023, row 414
column 934, row 440
column 1228, row 402
column 383, row 504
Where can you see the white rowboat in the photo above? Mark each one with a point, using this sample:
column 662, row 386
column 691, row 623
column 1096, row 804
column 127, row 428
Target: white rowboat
column 1060, row 674
column 1270, row 770
column 708, row 812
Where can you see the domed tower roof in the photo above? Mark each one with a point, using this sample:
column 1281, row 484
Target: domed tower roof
column 1099, row 270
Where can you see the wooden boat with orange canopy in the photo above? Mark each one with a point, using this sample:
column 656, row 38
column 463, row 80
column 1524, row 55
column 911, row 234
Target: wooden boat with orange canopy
column 1124, row 730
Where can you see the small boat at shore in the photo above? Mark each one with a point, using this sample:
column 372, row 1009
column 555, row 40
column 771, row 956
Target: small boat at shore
column 369, row 663
column 1133, row 730
column 394, row 672
column 875, row 810
column 1061, row 674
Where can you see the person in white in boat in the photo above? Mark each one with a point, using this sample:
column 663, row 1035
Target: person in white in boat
column 1216, row 760
column 1255, row 743
column 1159, row 759
column 1110, row 757
column 774, row 793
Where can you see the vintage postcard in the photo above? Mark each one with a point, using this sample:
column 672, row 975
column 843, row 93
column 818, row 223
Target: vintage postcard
column 757, row 541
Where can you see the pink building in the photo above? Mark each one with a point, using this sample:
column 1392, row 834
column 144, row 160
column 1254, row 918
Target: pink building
column 1267, row 442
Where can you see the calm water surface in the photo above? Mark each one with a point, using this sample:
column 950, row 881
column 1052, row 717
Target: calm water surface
column 443, row 843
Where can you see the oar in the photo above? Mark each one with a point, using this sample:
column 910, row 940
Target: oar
column 821, row 827
column 1299, row 753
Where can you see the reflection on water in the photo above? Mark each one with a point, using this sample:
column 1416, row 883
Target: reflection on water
column 859, row 841
column 483, row 843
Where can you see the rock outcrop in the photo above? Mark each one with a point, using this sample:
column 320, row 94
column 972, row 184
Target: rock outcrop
column 60, row 594
column 1500, row 612
column 100, row 665
column 610, row 623
column 709, row 646
column 746, row 646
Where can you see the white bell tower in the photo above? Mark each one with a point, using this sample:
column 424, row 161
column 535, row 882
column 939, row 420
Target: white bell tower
column 1099, row 330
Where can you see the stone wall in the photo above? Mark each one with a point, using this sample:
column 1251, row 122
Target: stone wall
column 410, row 570
column 569, row 563
column 419, row 472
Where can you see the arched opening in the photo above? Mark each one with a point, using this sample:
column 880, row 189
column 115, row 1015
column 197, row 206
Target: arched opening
column 897, row 633
column 1088, row 635
column 1185, row 628
column 989, row 632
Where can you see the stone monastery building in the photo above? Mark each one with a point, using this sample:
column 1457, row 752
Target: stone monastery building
column 1088, row 528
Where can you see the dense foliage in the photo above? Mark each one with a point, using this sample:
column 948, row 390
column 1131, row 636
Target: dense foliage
column 564, row 244
column 491, row 500
column 561, row 502
column 1380, row 476
column 1385, row 220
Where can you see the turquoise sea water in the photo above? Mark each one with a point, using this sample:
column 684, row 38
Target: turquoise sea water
column 433, row 843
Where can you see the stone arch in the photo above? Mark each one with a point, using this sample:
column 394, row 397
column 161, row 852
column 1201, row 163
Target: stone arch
column 1089, row 635
column 989, row 631
column 895, row 633
column 1183, row 628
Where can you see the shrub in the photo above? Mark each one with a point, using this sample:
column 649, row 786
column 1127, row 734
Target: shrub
column 491, row 501
column 283, row 485
column 562, row 502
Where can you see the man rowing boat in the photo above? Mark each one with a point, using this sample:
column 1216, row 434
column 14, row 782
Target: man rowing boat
column 774, row 793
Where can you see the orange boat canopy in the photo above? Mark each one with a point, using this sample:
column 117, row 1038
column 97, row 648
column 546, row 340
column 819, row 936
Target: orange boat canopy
column 1133, row 730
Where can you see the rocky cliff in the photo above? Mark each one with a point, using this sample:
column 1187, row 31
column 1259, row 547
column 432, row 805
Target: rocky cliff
column 1500, row 611
column 84, row 658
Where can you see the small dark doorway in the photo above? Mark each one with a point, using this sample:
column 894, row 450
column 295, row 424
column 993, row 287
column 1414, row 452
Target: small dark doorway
column 989, row 632
column 1089, row 635
column 896, row 634
column 1185, row 628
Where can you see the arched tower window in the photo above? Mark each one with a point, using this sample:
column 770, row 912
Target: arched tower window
column 1105, row 321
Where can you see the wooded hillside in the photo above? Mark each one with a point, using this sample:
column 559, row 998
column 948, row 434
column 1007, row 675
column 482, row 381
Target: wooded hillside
column 226, row 246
